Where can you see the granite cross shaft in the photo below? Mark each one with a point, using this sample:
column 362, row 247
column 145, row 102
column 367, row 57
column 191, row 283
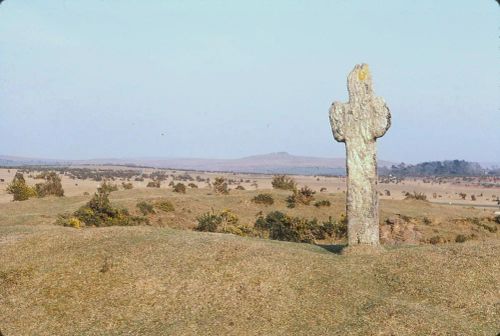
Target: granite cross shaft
column 358, row 124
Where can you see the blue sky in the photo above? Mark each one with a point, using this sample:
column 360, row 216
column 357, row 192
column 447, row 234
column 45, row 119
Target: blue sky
column 225, row 79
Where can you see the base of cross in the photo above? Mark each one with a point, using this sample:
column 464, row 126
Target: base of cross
column 363, row 249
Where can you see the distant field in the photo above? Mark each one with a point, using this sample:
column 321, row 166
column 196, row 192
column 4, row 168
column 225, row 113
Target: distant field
column 165, row 278
column 448, row 191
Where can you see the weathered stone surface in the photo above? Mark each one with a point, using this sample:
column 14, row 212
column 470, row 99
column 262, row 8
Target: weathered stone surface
column 359, row 123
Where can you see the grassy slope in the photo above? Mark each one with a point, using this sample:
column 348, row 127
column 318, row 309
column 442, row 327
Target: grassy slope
column 195, row 202
column 153, row 280
column 164, row 281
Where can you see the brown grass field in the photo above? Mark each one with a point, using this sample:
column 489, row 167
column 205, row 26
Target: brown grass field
column 166, row 279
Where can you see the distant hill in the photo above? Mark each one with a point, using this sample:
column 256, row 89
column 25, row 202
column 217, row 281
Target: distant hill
column 272, row 163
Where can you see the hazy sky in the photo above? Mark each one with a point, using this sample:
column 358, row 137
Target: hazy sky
column 123, row 78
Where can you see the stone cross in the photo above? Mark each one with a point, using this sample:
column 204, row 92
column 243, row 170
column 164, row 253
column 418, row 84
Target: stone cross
column 358, row 124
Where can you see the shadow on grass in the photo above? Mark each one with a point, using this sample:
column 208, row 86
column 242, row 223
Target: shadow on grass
column 336, row 248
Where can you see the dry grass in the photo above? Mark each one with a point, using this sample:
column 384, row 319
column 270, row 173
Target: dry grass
column 166, row 280
column 429, row 219
column 151, row 281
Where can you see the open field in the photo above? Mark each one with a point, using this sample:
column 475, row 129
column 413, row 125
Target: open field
column 446, row 191
column 166, row 279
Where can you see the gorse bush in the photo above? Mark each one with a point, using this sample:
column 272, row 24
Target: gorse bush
column 266, row 199
column 322, row 203
column 51, row 186
column 145, row 208
column 280, row 226
column 220, row 186
column 19, row 189
column 99, row 212
column 304, row 195
column 153, row 184
column 127, row 185
column 217, row 221
column 416, row 196
column 107, row 187
column 179, row 188
column 208, row 222
column 192, row 185
column 166, row 206
column 283, row 182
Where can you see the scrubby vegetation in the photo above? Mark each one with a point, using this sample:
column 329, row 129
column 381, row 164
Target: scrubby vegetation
column 179, row 188
column 266, row 199
column 107, row 187
column 51, row 186
column 19, row 189
column 283, row 182
column 99, row 212
column 166, row 206
column 220, row 186
column 153, row 184
column 127, row 185
column 416, row 196
column 216, row 221
column 145, row 208
column 322, row 203
column 304, row 196
column 280, row 226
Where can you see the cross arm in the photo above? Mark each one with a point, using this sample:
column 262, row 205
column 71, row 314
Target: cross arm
column 337, row 120
column 382, row 117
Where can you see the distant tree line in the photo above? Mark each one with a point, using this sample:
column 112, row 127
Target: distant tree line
column 438, row 168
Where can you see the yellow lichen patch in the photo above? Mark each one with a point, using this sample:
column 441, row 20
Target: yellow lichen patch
column 363, row 72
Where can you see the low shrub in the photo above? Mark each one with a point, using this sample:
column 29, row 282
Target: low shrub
column 216, row 221
column 192, row 185
column 153, row 184
column 239, row 230
column 283, row 182
column 266, row 199
column 68, row 220
column 179, row 188
column 339, row 227
column 220, row 186
column 416, row 196
column 283, row 227
column 304, row 195
column 145, row 208
column 107, row 187
column 436, row 240
column 166, row 206
column 127, row 185
column 19, row 189
column 51, row 186
column 426, row 220
column 322, row 203
column 461, row 238
column 99, row 212
column 240, row 187
column 208, row 222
